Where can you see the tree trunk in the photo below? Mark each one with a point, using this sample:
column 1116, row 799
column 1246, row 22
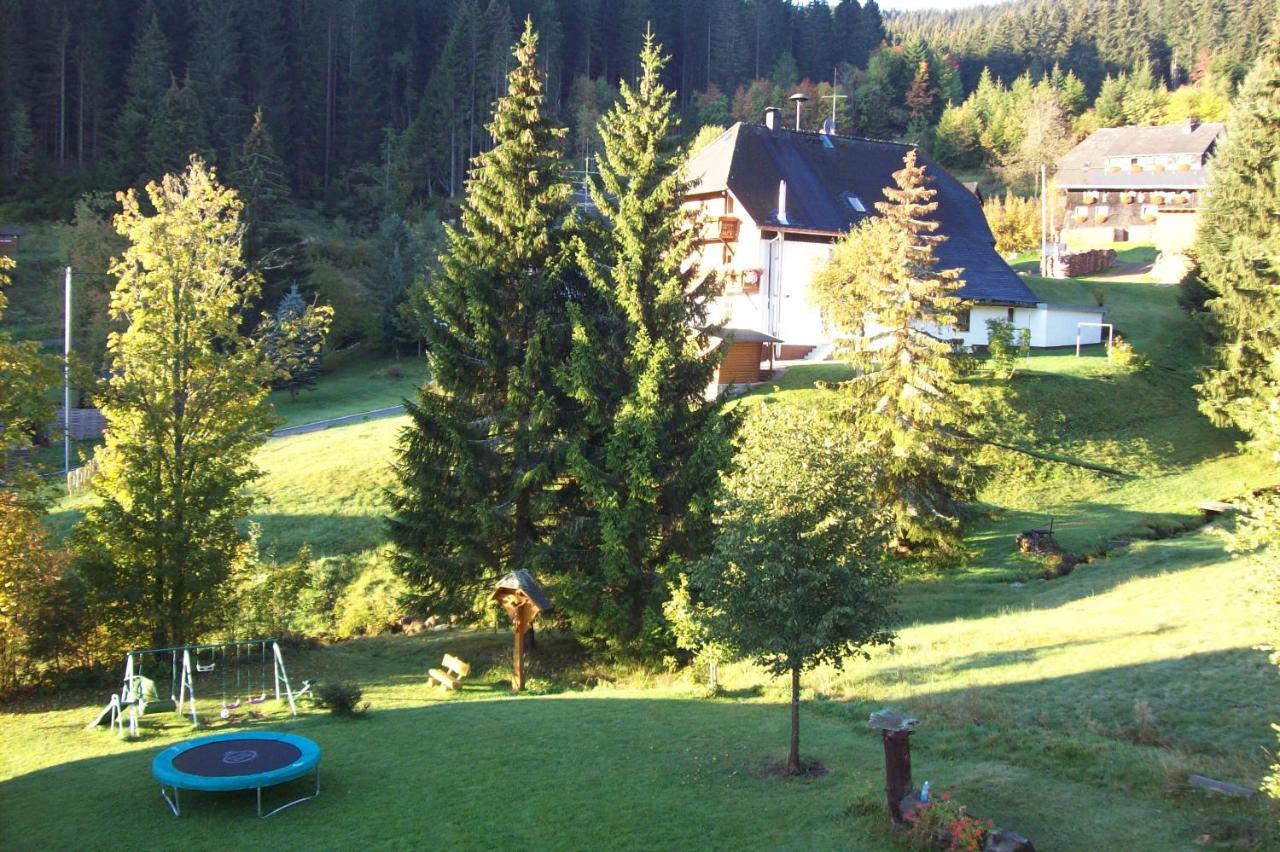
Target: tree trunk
column 793, row 759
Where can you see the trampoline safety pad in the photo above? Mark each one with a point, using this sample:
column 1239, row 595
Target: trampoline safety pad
column 236, row 761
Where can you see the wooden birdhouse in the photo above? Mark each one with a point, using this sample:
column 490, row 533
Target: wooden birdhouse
column 522, row 598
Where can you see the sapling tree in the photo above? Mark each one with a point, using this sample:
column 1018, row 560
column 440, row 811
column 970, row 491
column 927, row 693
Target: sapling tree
column 797, row 576
column 292, row 340
column 1006, row 346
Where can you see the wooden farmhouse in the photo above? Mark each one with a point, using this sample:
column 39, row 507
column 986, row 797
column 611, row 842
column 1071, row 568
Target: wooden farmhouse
column 1141, row 184
column 774, row 202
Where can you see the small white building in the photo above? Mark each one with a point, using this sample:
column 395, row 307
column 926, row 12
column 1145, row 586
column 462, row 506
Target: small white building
column 775, row 201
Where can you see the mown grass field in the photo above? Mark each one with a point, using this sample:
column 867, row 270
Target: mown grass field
column 1071, row 709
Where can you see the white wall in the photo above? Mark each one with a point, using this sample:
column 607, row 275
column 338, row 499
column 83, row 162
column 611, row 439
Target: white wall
column 800, row 321
column 1055, row 325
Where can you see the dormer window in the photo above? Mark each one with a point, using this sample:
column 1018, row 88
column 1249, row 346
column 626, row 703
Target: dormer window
column 855, row 203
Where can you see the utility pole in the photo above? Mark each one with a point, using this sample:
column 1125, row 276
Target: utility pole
column 1044, row 221
column 66, row 379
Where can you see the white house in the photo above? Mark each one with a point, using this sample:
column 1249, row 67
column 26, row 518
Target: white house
column 776, row 200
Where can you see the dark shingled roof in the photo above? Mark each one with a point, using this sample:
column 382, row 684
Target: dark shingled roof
column 1085, row 165
column 822, row 172
column 523, row 581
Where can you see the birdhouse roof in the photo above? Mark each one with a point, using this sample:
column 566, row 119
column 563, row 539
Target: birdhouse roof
column 522, row 581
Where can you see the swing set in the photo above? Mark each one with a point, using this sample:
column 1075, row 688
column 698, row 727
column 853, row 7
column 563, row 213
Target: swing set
column 234, row 663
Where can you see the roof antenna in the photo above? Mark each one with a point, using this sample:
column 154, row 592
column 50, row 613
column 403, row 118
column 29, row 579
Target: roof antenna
column 798, row 98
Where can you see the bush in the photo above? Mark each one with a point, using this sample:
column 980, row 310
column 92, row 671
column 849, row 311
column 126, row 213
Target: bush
column 1006, row 345
column 944, row 823
column 341, row 698
column 371, row 603
column 1124, row 355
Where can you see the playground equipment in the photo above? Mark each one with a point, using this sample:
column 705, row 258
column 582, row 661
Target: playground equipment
column 240, row 761
column 235, row 664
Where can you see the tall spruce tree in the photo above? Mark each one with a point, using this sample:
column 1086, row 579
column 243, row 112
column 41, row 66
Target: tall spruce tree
column 481, row 463
column 270, row 244
column 1237, row 247
column 882, row 288
column 651, row 454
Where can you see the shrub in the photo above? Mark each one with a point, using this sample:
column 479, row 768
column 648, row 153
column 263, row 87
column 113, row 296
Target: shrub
column 1124, row 355
column 341, row 698
column 371, row 603
column 944, row 823
column 1006, row 345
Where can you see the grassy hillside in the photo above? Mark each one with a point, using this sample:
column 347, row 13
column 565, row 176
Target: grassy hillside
column 1071, row 709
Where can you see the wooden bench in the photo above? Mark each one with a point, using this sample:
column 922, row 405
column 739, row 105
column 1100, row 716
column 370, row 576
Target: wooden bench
column 451, row 673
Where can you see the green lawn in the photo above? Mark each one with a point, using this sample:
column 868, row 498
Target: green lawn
column 1071, row 710
column 352, row 383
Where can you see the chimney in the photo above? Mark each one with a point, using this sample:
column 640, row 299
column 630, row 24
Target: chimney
column 1193, row 121
column 782, row 202
column 771, row 117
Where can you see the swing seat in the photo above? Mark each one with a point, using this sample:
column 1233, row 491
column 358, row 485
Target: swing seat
column 231, row 705
column 258, row 700
column 207, row 667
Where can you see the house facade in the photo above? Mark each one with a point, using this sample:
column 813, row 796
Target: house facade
column 774, row 202
column 1140, row 184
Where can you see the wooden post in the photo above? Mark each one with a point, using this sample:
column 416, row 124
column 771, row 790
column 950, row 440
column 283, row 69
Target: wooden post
column 895, row 732
column 517, row 671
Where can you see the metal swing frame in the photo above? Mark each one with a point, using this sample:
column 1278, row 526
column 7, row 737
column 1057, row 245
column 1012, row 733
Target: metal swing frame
column 126, row 701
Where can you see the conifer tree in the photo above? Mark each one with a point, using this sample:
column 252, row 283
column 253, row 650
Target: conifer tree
column 214, row 68
column 481, row 463
column 269, row 243
column 176, row 131
column 882, row 288
column 652, row 451
column 185, row 409
column 1237, row 246
column 146, row 81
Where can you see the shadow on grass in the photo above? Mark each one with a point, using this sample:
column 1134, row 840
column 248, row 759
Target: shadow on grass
column 590, row 770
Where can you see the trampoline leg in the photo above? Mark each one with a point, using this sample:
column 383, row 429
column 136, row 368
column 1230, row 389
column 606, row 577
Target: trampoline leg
column 261, row 815
column 174, row 803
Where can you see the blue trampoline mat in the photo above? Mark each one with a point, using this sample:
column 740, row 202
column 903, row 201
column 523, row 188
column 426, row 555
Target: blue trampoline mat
column 236, row 761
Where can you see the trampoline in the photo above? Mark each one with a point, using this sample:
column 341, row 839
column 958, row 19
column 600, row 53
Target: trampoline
column 236, row 761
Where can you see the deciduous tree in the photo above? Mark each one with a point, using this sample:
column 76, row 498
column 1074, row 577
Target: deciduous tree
column 25, row 379
column 798, row 575
column 185, row 408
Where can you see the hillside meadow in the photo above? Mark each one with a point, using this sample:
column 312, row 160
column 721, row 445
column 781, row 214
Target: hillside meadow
column 1071, row 709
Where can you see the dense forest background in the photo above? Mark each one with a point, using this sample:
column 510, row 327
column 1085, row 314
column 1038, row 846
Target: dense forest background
column 373, row 104
column 347, row 126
